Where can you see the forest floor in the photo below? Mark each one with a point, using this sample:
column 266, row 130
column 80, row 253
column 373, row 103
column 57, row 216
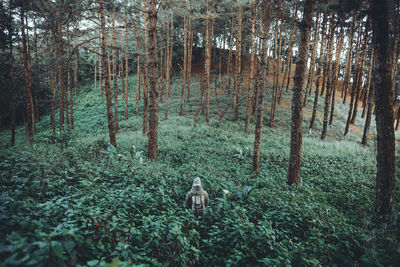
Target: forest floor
column 76, row 200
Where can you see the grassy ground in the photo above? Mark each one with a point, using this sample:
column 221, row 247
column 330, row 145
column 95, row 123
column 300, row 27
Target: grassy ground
column 77, row 200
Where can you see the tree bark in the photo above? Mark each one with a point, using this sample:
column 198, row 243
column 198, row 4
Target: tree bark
column 162, row 64
column 138, row 71
column 95, row 71
column 107, row 85
column 70, row 101
column 276, row 70
column 289, row 55
column 371, row 93
column 310, row 77
column 100, row 72
column 230, row 56
column 60, row 66
column 360, row 75
column 297, row 102
column 265, row 25
column 348, row 60
column 146, row 69
column 185, row 54
column 53, row 87
column 252, row 67
column 190, row 53
column 329, row 82
column 354, row 86
column 10, row 35
column 115, row 79
column 207, row 65
column 76, row 71
column 30, row 73
column 385, row 178
column 318, row 73
column 170, row 31
column 367, row 86
column 336, row 72
column 153, row 118
column 238, row 62
column 28, row 79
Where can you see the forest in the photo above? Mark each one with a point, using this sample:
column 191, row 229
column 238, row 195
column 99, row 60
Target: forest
column 199, row 133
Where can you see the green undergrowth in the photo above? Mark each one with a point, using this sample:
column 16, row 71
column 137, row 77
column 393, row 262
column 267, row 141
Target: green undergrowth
column 77, row 200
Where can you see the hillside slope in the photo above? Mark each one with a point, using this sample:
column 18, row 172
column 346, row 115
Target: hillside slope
column 77, row 200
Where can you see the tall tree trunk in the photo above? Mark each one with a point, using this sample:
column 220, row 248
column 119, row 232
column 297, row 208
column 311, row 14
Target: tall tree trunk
column 360, row 75
column 60, row 67
column 367, row 84
column 329, row 81
column 167, row 82
column 30, row 73
column 138, row 71
column 11, row 59
column 170, row 31
column 349, row 60
column 185, row 54
column 310, row 77
column 396, row 48
column 162, row 64
column 385, row 179
column 238, row 61
column 318, row 73
column 95, row 71
column 29, row 106
column 35, row 41
column 371, row 93
column 146, row 68
column 265, row 25
column 115, row 79
column 107, row 85
column 357, row 83
column 153, row 118
column 252, row 66
column 296, row 133
column 256, row 70
column 276, row 74
column 281, row 57
column 290, row 50
column 190, row 53
column 70, row 101
column 127, row 74
column 66, row 99
column 354, row 86
column 100, row 72
column 229, row 72
column 76, row 71
column 335, row 77
column 207, row 65
column 221, row 51
column 53, row 87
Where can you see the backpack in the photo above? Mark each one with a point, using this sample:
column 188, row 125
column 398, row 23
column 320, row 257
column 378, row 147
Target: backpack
column 197, row 204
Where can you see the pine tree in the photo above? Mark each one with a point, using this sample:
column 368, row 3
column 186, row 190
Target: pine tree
column 329, row 82
column 252, row 67
column 371, row 92
column 207, row 63
column 297, row 101
column 107, row 85
column 385, row 177
column 153, row 116
column 265, row 25
column 238, row 63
